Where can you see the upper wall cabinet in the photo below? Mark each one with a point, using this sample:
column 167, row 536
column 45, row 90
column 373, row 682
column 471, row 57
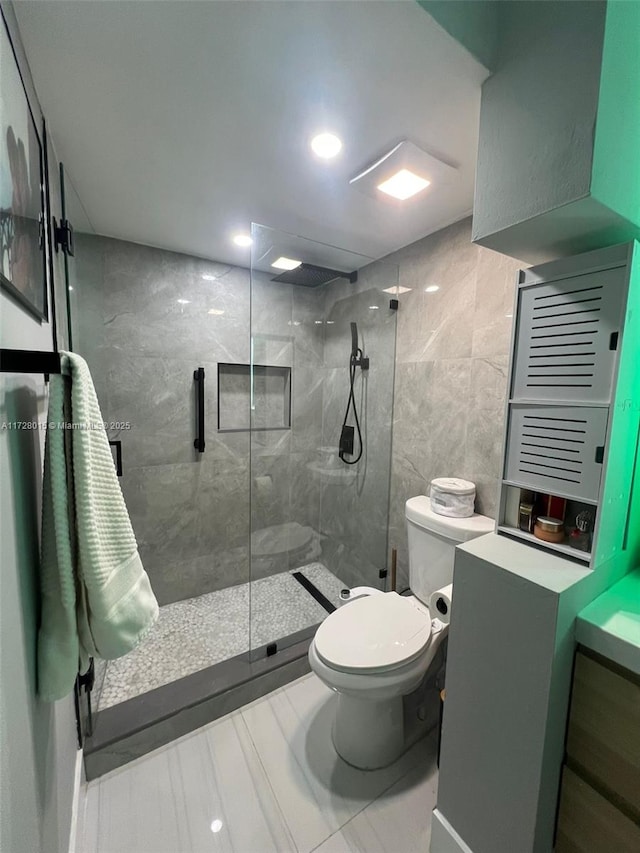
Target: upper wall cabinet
column 568, row 337
column 558, row 169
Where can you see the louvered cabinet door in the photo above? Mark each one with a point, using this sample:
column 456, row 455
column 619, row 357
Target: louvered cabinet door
column 557, row 449
column 567, row 338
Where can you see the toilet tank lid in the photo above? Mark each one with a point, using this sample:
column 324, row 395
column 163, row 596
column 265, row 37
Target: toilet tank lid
column 418, row 510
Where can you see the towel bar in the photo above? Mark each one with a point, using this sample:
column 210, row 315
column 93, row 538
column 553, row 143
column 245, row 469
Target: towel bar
column 29, row 361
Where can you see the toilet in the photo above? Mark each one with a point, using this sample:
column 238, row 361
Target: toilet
column 375, row 650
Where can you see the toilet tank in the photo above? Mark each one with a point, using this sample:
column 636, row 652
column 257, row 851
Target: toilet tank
column 432, row 543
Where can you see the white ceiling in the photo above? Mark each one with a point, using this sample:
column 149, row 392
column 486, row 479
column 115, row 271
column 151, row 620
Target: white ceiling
column 179, row 123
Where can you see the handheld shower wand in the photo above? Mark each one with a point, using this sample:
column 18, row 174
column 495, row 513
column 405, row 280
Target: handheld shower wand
column 358, row 358
column 355, row 349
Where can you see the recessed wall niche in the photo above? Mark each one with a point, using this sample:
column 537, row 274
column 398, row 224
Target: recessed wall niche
column 253, row 396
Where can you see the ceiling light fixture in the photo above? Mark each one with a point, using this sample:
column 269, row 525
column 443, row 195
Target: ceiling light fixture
column 397, row 289
column 184, row 301
column 373, row 307
column 283, row 263
column 208, row 277
column 326, row 145
column 217, row 312
column 432, row 288
column 242, row 240
column 403, row 185
column 402, row 172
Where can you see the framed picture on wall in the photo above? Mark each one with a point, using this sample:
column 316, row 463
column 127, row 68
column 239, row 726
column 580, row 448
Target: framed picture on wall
column 22, row 217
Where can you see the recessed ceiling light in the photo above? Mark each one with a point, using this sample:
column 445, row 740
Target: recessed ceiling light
column 397, row 288
column 373, row 307
column 403, row 184
column 331, row 322
column 326, row 145
column 216, row 825
column 318, row 322
column 242, row 240
column 184, row 301
column 208, row 277
column 432, row 288
column 217, row 312
column 283, row 263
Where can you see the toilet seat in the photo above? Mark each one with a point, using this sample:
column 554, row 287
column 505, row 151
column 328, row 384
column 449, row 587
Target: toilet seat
column 377, row 633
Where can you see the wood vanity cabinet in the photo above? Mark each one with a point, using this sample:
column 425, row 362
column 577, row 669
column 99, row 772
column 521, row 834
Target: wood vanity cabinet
column 599, row 810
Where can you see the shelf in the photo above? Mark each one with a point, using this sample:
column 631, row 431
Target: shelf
column 560, row 547
column 342, row 475
column 545, row 491
column 253, row 397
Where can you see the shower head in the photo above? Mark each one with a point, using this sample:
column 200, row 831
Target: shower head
column 310, row 275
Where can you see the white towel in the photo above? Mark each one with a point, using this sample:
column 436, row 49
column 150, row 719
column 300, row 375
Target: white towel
column 96, row 596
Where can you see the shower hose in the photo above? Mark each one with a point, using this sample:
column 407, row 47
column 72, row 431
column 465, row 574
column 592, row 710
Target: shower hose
column 353, row 363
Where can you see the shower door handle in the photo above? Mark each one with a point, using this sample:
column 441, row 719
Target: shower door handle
column 198, row 442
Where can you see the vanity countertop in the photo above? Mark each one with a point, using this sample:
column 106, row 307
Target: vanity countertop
column 610, row 625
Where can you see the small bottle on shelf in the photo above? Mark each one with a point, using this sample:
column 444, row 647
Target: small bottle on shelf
column 580, row 537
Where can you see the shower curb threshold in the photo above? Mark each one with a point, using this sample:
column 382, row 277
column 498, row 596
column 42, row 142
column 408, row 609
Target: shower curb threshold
column 131, row 729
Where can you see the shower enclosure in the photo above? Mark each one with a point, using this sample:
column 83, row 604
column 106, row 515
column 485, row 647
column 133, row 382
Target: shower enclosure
column 318, row 525
column 224, row 391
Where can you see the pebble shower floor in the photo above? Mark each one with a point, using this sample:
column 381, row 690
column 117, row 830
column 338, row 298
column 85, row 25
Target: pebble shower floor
column 193, row 634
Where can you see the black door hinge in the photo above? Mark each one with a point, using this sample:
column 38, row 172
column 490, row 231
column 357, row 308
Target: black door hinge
column 63, row 236
column 118, row 460
column 85, row 681
column 88, row 679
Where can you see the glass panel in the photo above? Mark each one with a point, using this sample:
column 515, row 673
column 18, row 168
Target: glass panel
column 71, row 209
column 318, row 517
column 145, row 319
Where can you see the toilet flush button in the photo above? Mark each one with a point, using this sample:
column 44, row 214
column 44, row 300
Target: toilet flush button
column 345, row 594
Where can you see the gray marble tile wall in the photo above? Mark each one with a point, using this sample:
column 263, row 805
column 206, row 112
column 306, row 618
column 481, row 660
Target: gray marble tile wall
column 146, row 319
column 355, row 499
column 451, row 370
column 285, row 498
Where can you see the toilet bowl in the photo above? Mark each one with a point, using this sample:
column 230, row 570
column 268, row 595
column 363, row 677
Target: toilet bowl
column 376, row 649
column 372, row 652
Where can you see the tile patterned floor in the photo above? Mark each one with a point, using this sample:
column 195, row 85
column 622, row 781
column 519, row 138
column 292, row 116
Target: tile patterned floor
column 264, row 779
column 199, row 632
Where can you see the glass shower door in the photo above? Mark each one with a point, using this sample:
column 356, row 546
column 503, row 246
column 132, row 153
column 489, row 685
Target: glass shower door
column 319, row 474
column 149, row 322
